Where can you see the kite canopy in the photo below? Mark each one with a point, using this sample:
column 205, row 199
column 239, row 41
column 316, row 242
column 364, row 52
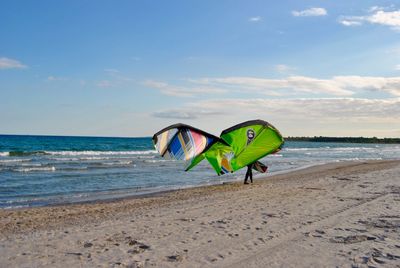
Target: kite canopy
column 237, row 147
column 183, row 142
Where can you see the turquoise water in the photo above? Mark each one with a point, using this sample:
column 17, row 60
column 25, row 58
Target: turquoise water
column 46, row 170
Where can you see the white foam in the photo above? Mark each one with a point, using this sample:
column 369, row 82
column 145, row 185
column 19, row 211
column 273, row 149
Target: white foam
column 300, row 149
column 14, row 207
column 352, row 148
column 118, row 163
column 359, row 159
column 30, row 169
column 145, row 157
column 125, row 162
column 158, row 161
column 4, row 153
column 94, row 158
column 275, row 155
column 72, row 168
column 66, row 159
column 31, row 165
column 78, row 153
column 14, row 160
column 70, row 159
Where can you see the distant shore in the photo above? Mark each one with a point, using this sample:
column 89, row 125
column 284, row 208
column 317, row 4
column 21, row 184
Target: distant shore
column 338, row 214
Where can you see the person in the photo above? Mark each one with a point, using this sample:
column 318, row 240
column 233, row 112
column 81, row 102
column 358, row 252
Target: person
column 249, row 174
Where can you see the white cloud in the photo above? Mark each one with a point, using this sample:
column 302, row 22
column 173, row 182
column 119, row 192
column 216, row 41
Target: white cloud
column 375, row 8
column 385, row 18
column 302, row 109
column 289, row 86
column 180, row 91
column 311, row 12
column 377, row 16
column 294, row 83
column 397, row 67
column 336, row 86
column 255, row 19
column 155, row 84
column 6, row 63
column 283, row 68
column 298, row 117
column 326, row 106
column 185, row 113
column 389, row 85
column 350, row 22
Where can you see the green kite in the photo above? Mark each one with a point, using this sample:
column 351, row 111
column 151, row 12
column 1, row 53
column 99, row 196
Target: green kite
column 237, row 147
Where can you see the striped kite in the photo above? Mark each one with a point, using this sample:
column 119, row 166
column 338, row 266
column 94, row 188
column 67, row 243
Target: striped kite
column 237, row 147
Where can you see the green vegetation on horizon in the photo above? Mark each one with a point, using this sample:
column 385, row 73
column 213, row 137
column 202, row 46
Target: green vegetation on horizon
column 345, row 139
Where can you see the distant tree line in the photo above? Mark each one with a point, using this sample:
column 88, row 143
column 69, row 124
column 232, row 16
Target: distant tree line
column 345, row 139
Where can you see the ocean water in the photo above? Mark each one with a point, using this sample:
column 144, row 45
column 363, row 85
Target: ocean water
column 48, row 170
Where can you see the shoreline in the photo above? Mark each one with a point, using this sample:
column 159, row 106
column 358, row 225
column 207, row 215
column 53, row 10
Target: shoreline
column 160, row 193
column 199, row 189
column 156, row 193
column 253, row 225
column 150, row 193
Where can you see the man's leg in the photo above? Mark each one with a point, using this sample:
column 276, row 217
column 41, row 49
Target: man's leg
column 246, row 177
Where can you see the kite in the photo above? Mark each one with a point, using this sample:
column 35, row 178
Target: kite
column 237, row 146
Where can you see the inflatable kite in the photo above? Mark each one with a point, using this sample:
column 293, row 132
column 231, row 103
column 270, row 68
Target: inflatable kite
column 237, row 147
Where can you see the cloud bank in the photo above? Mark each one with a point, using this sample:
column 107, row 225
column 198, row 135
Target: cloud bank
column 290, row 86
column 326, row 106
column 319, row 108
column 6, row 63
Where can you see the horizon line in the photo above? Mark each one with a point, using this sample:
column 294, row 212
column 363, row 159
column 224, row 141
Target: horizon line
column 143, row 137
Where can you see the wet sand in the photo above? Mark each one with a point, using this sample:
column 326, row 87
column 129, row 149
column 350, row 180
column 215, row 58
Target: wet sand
column 343, row 214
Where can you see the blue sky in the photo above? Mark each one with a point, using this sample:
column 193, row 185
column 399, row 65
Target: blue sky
column 130, row 68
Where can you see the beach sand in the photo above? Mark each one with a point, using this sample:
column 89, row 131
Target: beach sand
column 342, row 214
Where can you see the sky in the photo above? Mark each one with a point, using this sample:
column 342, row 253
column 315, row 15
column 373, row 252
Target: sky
column 131, row 68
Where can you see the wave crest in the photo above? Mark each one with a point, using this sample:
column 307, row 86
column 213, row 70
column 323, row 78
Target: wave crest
column 75, row 153
column 37, row 169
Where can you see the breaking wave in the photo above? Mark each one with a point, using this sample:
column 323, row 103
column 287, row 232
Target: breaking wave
column 36, row 169
column 86, row 158
column 117, row 163
column 76, row 153
column 22, row 153
column 5, row 161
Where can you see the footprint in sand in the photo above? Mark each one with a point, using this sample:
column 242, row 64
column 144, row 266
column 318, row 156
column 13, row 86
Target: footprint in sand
column 351, row 239
column 175, row 258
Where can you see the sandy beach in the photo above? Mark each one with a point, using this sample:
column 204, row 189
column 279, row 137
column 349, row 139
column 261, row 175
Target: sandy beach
column 343, row 214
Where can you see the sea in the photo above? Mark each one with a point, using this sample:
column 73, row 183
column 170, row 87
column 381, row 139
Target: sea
column 53, row 170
